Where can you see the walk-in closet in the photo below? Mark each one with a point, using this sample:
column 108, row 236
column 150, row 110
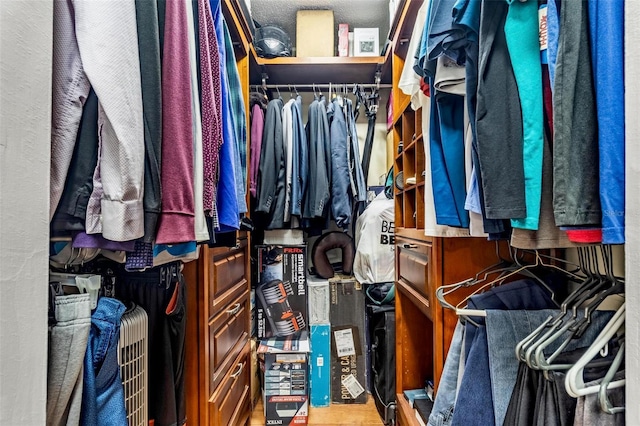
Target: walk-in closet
column 335, row 212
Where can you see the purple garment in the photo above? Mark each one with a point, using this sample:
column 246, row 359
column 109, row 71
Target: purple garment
column 177, row 220
column 140, row 258
column 97, row 241
column 257, row 128
column 211, row 92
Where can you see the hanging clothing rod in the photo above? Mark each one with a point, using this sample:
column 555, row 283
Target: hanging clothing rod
column 322, row 86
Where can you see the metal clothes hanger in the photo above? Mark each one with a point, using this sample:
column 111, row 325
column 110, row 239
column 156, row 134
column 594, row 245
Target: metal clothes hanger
column 526, row 347
column 524, row 270
column 533, row 348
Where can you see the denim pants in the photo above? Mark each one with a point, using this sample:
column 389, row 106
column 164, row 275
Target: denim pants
column 67, row 346
column 474, row 405
column 448, row 387
column 504, row 330
column 103, row 396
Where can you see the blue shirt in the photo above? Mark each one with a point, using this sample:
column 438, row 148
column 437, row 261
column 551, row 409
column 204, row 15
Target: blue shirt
column 606, row 20
column 227, row 197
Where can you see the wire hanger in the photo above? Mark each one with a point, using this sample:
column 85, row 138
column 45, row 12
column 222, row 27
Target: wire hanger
column 523, row 270
column 607, row 285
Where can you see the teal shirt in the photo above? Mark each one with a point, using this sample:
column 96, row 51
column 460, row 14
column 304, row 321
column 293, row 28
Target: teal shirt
column 521, row 31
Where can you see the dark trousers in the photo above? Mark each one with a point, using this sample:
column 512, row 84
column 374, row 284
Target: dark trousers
column 161, row 293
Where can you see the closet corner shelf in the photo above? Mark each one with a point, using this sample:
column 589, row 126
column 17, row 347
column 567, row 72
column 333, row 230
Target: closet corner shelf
column 414, row 233
column 406, row 414
column 405, row 103
column 339, row 70
column 416, row 298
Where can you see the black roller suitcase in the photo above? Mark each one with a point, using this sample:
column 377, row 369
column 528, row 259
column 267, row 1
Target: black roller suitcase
column 382, row 335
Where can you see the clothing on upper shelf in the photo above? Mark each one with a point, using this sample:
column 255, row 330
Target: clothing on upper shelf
column 606, row 21
column 151, row 80
column 138, row 130
column 519, row 92
column 115, row 207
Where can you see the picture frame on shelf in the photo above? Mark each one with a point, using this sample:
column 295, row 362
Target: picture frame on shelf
column 366, row 42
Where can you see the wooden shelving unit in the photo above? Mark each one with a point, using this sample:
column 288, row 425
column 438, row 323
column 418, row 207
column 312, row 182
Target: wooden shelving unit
column 339, row 70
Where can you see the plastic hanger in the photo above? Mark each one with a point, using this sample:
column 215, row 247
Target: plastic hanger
column 534, row 355
column 603, row 398
column 574, row 380
column 86, row 283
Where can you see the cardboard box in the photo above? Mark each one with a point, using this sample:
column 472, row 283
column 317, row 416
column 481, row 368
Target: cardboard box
column 348, row 349
column 343, row 40
column 318, row 289
column 320, row 365
column 315, row 33
column 285, row 382
column 281, row 292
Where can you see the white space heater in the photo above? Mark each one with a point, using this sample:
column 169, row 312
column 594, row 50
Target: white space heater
column 132, row 358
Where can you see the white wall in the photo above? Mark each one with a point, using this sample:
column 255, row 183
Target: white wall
column 632, row 235
column 25, row 116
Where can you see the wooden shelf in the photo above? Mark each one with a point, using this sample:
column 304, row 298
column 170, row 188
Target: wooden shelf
column 416, row 298
column 406, row 103
column 416, row 234
column 406, row 415
column 339, row 70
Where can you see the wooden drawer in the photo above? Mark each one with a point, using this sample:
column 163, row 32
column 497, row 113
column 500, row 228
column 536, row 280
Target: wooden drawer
column 414, row 268
column 230, row 402
column 227, row 270
column 228, row 333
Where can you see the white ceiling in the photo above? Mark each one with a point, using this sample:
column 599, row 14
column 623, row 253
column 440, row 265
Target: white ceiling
column 356, row 13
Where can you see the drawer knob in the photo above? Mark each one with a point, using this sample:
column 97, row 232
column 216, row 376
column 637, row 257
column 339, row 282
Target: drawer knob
column 239, row 372
column 234, row 310
column 409, row 246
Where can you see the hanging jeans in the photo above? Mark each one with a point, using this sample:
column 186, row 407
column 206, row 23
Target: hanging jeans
column 67, row 346
column 103, row 396
column 444, row 403
column 475, row 405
